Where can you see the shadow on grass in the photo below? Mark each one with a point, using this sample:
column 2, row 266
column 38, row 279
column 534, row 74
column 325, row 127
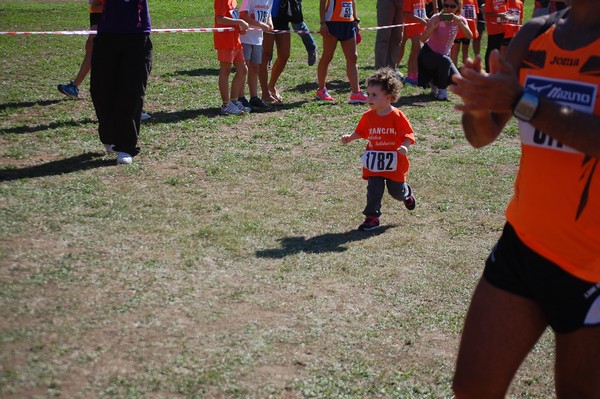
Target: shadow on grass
column 196, row 72
column 330, row 242
column 39, row 128
column 89, row 160
column 27, row 104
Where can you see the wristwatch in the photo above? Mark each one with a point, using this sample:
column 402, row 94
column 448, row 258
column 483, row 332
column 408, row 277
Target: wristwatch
column 526, row 106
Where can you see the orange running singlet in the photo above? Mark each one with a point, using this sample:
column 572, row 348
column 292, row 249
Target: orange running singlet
column 555, row 209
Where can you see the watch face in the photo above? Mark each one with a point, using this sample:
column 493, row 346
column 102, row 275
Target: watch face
column 527, row 106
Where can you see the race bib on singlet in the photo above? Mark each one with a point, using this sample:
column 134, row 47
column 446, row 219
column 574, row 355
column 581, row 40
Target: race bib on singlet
column 346, row 10
column 380, row 161
column 419, row 12
column 469, row 11
column 261, row 16
column 577, row 95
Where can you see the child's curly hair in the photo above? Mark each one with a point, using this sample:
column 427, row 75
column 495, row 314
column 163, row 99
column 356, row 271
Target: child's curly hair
column 388, row 80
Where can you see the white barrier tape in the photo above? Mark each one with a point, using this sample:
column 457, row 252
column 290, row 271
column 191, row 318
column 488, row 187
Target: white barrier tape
column 185, row 30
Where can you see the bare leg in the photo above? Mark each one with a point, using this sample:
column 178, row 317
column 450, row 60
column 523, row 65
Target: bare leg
column 500, row 330
column 349, row 48
column 329, row 45
column 283, row 43
column 224, row 72
column 577, row 374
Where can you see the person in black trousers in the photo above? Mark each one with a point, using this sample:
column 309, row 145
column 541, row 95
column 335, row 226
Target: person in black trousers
column 121, row 63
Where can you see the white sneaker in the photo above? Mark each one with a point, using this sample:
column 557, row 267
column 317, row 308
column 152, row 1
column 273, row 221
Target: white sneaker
column 442, row 95
column 241, row 106
column 145, row 116
column 230, row 109
column 109, row 148
column 124, row 158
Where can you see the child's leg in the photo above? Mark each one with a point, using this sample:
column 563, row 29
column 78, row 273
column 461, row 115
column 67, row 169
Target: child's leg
column 329, row 45
column 237, row 84
column 400, row 191
column 253, row 78
column 86, row 64
column 465, row 53
column 413, row 67
column 263, row 69
column 454, row 52
column 375, row 190
column 224, row 72
column 283, row 43
column 349, row 48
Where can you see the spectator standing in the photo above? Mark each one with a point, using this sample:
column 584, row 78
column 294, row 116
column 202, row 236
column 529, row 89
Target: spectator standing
column 470, row 10
column 257, row 13
column 121, row 63
column 72, row 89
column 495, row 17
column 414, row 14
column 230, row 51
column 515, row 13
column 387, row 41
column 339, row 23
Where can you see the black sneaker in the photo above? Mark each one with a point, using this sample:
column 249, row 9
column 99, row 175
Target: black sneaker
column 370, row 223
column 244, row 102
column 258, row 104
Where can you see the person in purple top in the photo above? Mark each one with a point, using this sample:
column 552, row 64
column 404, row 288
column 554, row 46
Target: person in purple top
column 121, row 63
column 435, row 65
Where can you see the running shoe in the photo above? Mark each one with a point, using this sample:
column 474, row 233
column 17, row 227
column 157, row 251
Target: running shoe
column 241, row 106
column 312, row 58
column 358, row 98
column 323, row 95
column 412, row 80
column 69, row 90
column 258, row 105
column 370, row 223
column 230, row 109
column 244, row 102
column 410, row 203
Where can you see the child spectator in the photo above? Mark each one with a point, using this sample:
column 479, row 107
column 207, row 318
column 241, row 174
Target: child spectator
column 229, row 51
column 495, row 13
column 385, row 161
column 256, row 13
column 470, row 10
column 339, row 24
column 515, row 13
column 72, row 89
column 413, row 12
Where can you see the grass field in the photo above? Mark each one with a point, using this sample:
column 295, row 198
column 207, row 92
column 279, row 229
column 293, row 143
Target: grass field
column 224, row 263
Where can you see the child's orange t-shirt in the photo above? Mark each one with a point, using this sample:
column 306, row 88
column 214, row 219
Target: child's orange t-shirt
column 228, row 40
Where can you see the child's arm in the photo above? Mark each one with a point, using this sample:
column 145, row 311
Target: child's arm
column 403, row 149
column 346, row 138
column 253, row 22
column 232, row 21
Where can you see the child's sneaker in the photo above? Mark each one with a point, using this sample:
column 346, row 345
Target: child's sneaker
column 370, row 223
column 241, row 106
column 358, row 98
column 323, row 95
column 230, row 109
column 258, row 105
column 410, row 203
column 124, row 158
column 69, row 90
column 244, row 102
column 411, row 80
column 109, row 148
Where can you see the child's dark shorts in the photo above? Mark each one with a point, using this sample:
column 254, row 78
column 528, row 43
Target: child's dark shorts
column 342, row 30
column 567, row 302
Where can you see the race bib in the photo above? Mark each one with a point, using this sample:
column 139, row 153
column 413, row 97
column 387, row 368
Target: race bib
column 380, row 161
column 469, row 11
column 346, row 10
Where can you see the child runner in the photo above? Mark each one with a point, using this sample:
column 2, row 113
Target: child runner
column 256, row 13
column 339, row 24
column 229, row 51
column 385, row 161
